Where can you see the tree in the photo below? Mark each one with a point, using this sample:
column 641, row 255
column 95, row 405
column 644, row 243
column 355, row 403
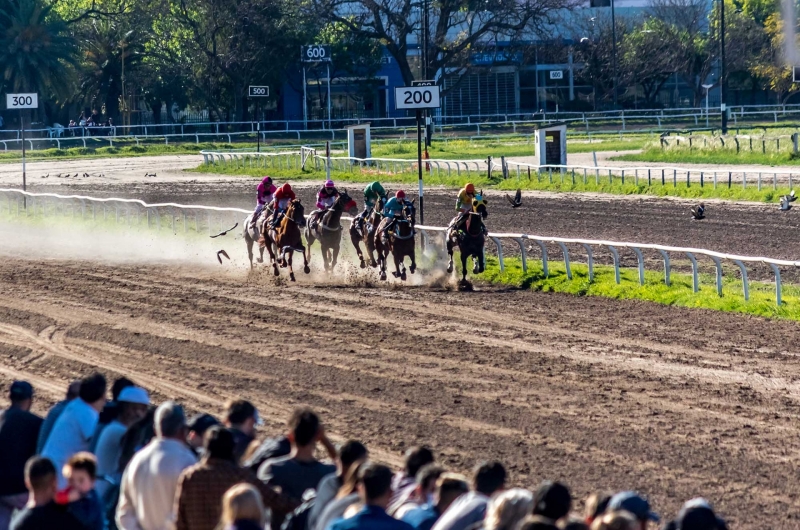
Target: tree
column 595, row 51
column 37, row 53
column 455, row 28
column 648, row 59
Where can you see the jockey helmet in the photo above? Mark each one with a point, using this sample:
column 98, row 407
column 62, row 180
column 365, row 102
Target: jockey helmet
column 267, row 180
column 400, row 194
column 329, row 184
column 286, row 187
column 470, row 188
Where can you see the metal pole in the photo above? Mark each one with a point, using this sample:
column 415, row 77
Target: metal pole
column 723, row 89
column 330, row 125
column 707, row 89
column 305, row 107
column 614, row 49
column 24, row 175
column 419, row 165
column 258, row 130
column 328, row 160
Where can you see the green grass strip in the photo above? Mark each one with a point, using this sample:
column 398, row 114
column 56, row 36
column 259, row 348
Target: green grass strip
column 711, row 156
column 553, row 181
column 761, row 303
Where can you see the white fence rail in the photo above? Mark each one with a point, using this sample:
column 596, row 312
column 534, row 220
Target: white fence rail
column 170, row 215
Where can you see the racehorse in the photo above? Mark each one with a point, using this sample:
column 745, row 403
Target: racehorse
column 287, row 239
column 470, row 239
column 329, row 230
column 399, row 241
column 252, row 233
column 367, row 233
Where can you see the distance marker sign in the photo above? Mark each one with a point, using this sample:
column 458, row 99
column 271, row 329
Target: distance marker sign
column 258, row 91
column 417, row 97
column 22, row 101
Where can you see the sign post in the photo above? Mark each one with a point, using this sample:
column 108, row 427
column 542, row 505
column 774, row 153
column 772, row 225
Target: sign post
column 426, row 116
column 258, row 92
column 22, row 102
column 316, row 53
column 417, row 98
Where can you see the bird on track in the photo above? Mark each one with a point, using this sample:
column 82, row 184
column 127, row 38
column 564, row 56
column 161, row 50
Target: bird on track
column 45, row 176
column 149, row 174
column 220, row 254
column 787, row 200
column 225, row 232
column 699, row 212
column 85, row 175
column 516, row 202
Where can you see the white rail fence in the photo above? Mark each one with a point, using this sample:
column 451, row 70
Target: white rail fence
column 176, row 216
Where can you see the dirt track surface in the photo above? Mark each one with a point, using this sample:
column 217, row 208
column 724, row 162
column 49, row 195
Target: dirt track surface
column 599, row 393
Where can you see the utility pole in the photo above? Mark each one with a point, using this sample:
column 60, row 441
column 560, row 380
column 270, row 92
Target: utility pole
column 723, row 81
column 614, row 50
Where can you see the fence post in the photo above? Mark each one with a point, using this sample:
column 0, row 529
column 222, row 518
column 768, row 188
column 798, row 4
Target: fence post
column 775, row 181
column 566, row 259
column 759, row 181
column 543, row 248
column 615, row 255
column 521, row 244
column 777, row 272
column 667, row 266
column 695, row 283
column 589, row 261
column 640, row 260
column 745, row 283
column 718, row 266
column 499, row 252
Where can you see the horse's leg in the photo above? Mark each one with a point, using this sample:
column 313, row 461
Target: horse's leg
column 334, row 255
column 399, row 265
column 372, row 250
column 306, row 268
column 381, row 261
column 450, row 255
column 463, row 266
column 289, row 263
column 249, row 241
column 272, row 252
column 355, row 238
column 413, row 255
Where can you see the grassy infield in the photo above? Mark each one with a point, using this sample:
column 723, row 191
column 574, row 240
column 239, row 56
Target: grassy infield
column 762, row 296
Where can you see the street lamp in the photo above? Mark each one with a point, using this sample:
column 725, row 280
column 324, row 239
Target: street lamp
column 707, row 87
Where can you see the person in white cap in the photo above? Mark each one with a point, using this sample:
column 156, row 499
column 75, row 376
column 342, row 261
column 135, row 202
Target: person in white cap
column 133, row 403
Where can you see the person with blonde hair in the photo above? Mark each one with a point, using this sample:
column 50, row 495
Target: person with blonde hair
column 508, row 509
column 242, row 509
column 619, row 520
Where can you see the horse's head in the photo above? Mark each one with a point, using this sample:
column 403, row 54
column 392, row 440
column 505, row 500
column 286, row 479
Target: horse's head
column 346, row 203
column 479, row 205
column 410, row 211
column 296, row 213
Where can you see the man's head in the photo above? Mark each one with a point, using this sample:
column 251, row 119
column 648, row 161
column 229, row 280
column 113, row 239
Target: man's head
column 219, row 443
column 449, row 487
column 632, row 502
column 40, row 479
column 21, row 395
column 170, row 421
column 426, row 480
column 197, row 429
column 118, row 386
column 304, row 428
column 93, row 391
column 595, row 506
column 552, row 500
column 351, row 452
column 241, row 415
column 697, row 514
column 375, row 485
column 489, row 477
column 73, row 390
column 81, row 472
column 416, row 458
column 616, row 520
column 133, row 404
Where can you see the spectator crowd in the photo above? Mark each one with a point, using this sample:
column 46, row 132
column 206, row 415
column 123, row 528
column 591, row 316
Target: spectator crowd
column 97, row 464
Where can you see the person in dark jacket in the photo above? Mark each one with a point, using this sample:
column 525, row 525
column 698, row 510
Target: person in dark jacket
column 19, row 430
column 42, row 511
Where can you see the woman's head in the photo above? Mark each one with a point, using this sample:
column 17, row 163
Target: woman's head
column 350, row 484
column 242, row 503
column 509, row 508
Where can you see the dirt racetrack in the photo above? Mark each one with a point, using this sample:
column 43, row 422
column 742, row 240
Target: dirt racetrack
column 602, row 394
